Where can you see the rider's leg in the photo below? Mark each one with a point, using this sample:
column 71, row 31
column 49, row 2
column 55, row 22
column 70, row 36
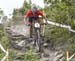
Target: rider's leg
column 31, row 30
column 30, row 22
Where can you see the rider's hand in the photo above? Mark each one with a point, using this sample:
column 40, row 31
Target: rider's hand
column 45, row 21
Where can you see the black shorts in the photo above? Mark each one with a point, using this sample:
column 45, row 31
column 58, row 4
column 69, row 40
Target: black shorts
column 33, row 18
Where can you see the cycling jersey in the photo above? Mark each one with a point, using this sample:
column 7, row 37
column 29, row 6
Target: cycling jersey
column 31, row 14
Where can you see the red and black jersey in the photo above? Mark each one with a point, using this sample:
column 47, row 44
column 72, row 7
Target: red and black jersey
column 36, row 14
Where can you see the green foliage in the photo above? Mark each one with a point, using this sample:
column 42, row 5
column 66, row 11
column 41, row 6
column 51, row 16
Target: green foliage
column 21, row 10
column 3, row 40
column 1, row 54
column 24, row 8
column 61, row 12
column 11, row 55
column 30, row 56
column 1, row 12
column 73, row 24
column 18, row 14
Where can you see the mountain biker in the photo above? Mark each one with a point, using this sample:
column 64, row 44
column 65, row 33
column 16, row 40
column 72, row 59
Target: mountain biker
column 33, row 14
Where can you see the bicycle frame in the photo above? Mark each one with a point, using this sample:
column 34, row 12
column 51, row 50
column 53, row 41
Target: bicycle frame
column 36, row 33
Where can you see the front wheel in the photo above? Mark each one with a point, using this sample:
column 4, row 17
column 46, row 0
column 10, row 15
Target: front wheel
column 39, row 41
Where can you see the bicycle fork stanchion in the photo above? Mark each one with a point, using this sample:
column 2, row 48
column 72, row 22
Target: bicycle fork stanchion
column 43, row 28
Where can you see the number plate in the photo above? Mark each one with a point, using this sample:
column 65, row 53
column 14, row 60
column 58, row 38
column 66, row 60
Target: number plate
column 37, row 25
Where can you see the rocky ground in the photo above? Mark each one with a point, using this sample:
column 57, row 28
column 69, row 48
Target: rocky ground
column 19, row 40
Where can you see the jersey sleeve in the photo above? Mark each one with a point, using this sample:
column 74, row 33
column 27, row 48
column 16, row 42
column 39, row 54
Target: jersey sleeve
column 40, row 13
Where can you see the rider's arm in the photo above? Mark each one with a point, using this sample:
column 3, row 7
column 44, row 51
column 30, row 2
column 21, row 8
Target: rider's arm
column 25, row 20
column 40, row 13
column 43, row 16
column 26, row 16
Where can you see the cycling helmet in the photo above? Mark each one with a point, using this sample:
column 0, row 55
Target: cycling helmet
column 34, row 8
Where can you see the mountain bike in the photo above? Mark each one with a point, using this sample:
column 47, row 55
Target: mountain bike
column 36, row 35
